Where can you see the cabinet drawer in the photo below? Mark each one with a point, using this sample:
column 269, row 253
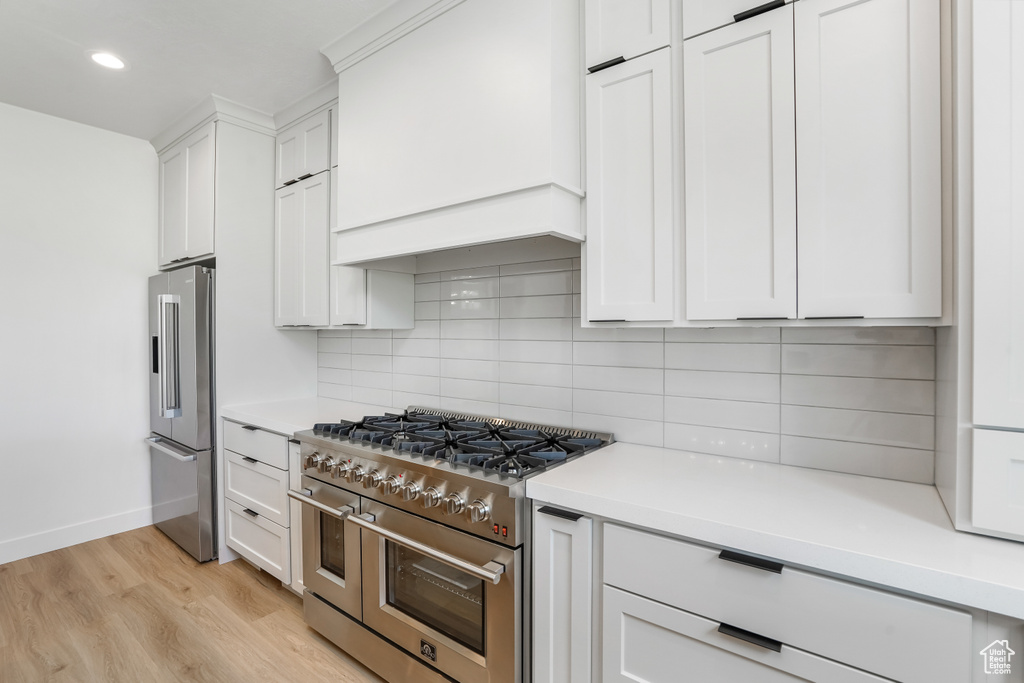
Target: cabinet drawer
column 257, row 443
column 892, row 635
column 259, row 487
column 258, row 540
column 638, row 633
column 700, row 16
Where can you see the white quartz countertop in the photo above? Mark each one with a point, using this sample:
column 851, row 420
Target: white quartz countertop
column 296, row 415
column 884, row 532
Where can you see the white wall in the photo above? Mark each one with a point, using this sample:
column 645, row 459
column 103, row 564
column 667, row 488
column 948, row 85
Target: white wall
column 78, row 211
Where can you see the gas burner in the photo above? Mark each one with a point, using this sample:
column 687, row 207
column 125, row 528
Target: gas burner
column 368, row 435
column 335, row 430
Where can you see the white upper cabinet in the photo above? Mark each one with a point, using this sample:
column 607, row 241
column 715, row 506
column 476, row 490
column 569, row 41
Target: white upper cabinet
column 186, row 197
column 630, row 184
column 868, row 158
column 625, row 28
column 304, row 149
column 301, row 247
column 740, row 170
column 999, row 214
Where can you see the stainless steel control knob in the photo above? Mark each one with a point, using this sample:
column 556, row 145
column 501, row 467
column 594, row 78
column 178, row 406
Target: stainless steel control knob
column 390, row 485
column 354, row 474
column 410, row 491
column 453, row 504
column 339, row 470
column 431, row 497
column 373, row 479
column 310, row 461
column 478, row 511
column 325, row 464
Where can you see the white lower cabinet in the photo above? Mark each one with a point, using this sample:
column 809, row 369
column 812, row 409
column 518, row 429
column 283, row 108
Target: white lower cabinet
column 258, row 540
column 562, row 595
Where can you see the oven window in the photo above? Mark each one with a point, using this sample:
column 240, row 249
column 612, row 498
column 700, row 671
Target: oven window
column 332, row 544
column 437, row 595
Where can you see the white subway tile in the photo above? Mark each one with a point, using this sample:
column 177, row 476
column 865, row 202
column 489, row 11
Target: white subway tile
column 374, row 380
column 577, row 282
column 722, row 357
column 372, row 396
column 425, row 329
column 552, row 398
column 337, row 391
column 724, row 335
column 463, row 405
column 334, row 376
column 470, row 329
column 371, row 334
column 541, row 416
column 375, row 347
column 405, row 399
column 371, row 363
column 536, row 329
column 537, row 284
column 469, row 309
column 486, row 288
column 905, row 464
column 412, row 365
column 421, row 278
column 732, row 443
column 617, row 334
column 416, row 384
column 470, row 389
column 631, row 380
column 486, row 370
column 538, row 374
column 344, row 334
column 921, row 336
column 577, row 263
column 535, row 267
column 427, row 310
column 535, row 351
column 733, row 386
column 430, row 291
column 469, row 273
column 879, row 361
column 858, row 393
column 884, row 429
column 577, row 306
column 708, row 412
column 417, row 347
column 553, row 306
column 644, row 432
column 619, row 354
column 334, row 360
column 614, row 403
column 469, row 349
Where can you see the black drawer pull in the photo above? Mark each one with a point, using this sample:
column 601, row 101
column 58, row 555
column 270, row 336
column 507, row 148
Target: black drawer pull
column 251, row 513
column 604, row 65
column 608, row 321
column 294, row 441
column 289, row 182
column 307, row 175
column 760, row 9
column 564, row 514
column 250, row 428
column 753, row 638
column 781, row 317
column 248, row 459
column 834, row 317
column 755, row 562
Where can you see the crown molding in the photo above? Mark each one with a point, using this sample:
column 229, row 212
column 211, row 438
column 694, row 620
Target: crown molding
column 214, row 108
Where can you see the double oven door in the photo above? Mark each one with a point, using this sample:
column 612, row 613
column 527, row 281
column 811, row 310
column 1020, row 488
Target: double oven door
column 450, row 599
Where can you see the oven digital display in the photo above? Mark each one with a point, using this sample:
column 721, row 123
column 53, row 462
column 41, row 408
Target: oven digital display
column 442, row 597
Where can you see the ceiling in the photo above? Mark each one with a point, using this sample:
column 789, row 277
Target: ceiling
column 264, row 54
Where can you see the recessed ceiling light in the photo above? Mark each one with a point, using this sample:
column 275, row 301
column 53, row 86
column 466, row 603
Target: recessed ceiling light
column 108, row 60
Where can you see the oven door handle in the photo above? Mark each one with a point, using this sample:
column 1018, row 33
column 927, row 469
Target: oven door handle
column 306, row 499
column 490, row 572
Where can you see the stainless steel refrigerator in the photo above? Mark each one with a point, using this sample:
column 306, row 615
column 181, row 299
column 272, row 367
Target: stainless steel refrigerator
column 181, row 407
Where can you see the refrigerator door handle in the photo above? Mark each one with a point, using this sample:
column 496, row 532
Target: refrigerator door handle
column 155, row 442
column 167, row 331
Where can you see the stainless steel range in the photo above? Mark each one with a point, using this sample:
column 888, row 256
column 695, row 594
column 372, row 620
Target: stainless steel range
column 416, row 540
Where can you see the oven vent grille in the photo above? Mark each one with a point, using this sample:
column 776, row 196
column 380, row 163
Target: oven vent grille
column 515, row 424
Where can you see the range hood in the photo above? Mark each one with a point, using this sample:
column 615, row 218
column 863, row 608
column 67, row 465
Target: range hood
column 459, row 125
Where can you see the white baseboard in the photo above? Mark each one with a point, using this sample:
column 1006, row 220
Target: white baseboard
column 54, row 539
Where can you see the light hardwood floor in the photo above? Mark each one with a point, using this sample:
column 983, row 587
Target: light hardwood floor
column 136, row 608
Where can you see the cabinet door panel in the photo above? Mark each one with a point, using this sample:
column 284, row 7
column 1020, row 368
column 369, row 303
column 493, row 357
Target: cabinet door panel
column 997, row 499
column 740, row 176
column 348, row 295
column 173, row 174
column 301, row 272
column 625, row 28
column 999, row 214
column 200, row 185
column 630, row 224
column 304, row 149
column 868, row 158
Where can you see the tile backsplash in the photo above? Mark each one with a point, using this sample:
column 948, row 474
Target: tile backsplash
column 506, row 340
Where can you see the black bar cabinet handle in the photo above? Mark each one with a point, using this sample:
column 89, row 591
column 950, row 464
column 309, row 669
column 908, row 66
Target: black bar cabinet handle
column 750, row 561
column 834, row 317
column 614, row 320
column 251, row 428
column 604, row 65
column 250, row 460
column 303, row 177
column 294, row 441
column 564, row 514
column 756, row 317
column 289, row 182
column 252, row 513
column 750, row 637
column 760, row 9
